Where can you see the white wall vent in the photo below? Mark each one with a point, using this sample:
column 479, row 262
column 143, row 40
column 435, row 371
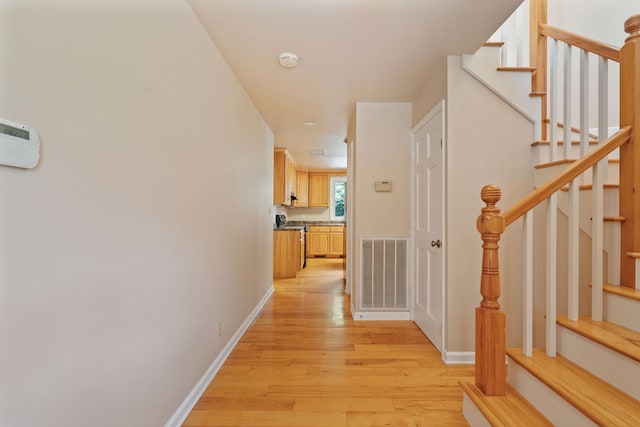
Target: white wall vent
column 384, row 275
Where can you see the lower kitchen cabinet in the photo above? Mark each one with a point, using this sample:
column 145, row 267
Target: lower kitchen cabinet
column 325, row 240
column 318, row 241
column 336, row 243
column 287, row 253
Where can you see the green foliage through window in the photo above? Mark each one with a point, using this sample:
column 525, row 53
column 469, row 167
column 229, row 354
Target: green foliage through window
column 338, row 192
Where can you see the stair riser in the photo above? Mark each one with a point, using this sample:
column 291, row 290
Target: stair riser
column 542, row 153
column 543, row 175
column 472, row 414
column 622, row 311
column 613, row 367
column 551, row 405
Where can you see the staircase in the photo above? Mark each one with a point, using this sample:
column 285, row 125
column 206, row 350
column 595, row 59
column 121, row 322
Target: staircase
column 588, row 372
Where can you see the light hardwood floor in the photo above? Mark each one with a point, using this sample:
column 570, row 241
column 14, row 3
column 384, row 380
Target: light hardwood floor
column 304, row 362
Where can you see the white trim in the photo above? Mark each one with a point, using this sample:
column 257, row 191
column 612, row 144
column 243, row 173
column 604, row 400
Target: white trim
column 459, row 357
column 439, row 107
column 381, row 315
column 198, row 390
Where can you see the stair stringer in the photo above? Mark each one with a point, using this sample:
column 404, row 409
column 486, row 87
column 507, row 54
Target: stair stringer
column 512, row 87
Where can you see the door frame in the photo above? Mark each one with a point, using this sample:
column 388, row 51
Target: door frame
column 439, row 107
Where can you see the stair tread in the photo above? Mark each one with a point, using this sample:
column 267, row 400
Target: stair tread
column 537, row 94
column 614, row 219
column 573, row 142
column 509, row 410
column 622, row 291
column 590, row 187
column 566, row 161
column 618, row 338
column 494, row 44
column 526, row 69
column 598, row 400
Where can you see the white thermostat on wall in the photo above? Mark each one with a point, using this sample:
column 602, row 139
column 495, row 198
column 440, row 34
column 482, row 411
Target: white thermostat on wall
column 19, row 145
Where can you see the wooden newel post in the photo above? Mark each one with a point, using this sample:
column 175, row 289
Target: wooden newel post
column 490, row 321
column 630, row 152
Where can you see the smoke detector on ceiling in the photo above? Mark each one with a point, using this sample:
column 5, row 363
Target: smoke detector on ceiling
column 288, row 59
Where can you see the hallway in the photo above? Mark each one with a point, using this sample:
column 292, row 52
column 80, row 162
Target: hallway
column 304, row 362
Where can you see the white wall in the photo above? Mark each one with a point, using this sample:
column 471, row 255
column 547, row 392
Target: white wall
column 488, row 142
column 118, row 253
column 433, row 90
column 383, row 154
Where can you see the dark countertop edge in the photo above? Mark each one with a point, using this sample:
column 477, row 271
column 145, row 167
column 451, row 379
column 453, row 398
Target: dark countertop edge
column 308, row 223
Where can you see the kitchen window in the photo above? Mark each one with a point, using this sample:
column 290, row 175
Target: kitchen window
column 338, row 191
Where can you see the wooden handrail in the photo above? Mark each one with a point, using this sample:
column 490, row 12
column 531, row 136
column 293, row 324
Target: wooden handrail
column 566, row 176
column 602, row 49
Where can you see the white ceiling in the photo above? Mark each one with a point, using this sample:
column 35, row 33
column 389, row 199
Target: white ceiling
column 349, row 51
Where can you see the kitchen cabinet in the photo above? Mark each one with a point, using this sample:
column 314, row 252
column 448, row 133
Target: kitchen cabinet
column 325, row 240
column 318, row 240
column 336, row 241
column 318, row 190
column 284, row 171
column 288, row 253
column 302, row 189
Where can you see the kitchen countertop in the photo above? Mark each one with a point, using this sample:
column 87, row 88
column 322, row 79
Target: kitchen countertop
column 307, row 223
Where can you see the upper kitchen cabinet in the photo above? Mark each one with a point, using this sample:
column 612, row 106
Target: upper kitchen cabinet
column 318, row 190
column 284, row 177
column 302, row 189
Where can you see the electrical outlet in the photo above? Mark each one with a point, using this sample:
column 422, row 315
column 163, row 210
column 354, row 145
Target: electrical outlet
column 219, row 327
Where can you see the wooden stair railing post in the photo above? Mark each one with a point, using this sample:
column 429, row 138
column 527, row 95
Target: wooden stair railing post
column 538, row 57
column 630, row 152
column 490, row 321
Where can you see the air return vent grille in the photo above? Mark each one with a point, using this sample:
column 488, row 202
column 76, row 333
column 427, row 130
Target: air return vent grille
column 384, row 274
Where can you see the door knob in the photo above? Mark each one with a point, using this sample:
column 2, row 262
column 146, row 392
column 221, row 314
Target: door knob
column 436, row 243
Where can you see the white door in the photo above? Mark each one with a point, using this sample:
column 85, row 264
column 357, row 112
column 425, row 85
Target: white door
column 428, row 223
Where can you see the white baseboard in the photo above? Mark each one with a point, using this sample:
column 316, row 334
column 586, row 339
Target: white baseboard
column 190, row 401
column 459, row 357
column 382, row 315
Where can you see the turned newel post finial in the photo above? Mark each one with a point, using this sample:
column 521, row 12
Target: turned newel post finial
column 632, row 26
column 490, row 224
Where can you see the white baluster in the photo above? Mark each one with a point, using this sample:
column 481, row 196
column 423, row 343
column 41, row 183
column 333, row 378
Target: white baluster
column 597, row 248
column 504, row 49
column 553, row 98
column 573, row 249
column 584, row 102
column 566, row 102
column 603, row 99
column 552, row 240
column 527, row 297
column 520, row 36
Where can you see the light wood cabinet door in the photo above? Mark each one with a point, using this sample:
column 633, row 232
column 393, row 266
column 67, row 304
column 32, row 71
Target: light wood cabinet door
column 336, row 241
column 318, row 241
column 286, row 253
column 279, row 177
column 318, row 190
column 302, row 189
column 284, row 177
